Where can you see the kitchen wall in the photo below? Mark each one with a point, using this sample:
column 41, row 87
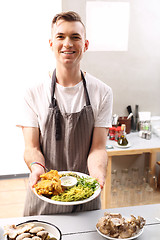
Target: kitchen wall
column 134, row 75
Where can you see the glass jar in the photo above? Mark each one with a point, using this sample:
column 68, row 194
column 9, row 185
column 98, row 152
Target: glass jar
column 135, row 175
column 124, row 177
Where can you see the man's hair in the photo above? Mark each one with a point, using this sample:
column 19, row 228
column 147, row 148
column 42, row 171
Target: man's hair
column 67, row 16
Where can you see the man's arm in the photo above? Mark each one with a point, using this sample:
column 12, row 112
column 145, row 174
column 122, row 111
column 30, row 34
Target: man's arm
column 33, row 153
column 97, row 159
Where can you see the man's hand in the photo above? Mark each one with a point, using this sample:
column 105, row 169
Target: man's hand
column 32, row 154
column 36, row 171
column 98, row 168
column 97, row 159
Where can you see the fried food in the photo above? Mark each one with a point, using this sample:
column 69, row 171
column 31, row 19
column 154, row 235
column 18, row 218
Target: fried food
column 114, row 225
column 51, row 175
column 50, row 184
column 45, row 187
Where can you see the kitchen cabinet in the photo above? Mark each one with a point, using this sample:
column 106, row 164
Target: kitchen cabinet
column 138, row 146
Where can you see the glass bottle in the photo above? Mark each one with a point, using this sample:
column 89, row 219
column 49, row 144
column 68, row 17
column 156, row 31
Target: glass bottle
column 135, row 175
column 124, row 177
column 122, row 139
column 113, row 179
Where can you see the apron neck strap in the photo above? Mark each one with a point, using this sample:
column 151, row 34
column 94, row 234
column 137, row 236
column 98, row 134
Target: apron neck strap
column 53, row 85
column 85, row 90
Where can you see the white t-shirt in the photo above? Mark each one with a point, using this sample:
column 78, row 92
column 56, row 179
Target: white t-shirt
column 70, row 100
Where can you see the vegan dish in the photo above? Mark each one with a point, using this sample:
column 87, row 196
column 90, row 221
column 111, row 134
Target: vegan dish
column 116, row 226
column 50, row 186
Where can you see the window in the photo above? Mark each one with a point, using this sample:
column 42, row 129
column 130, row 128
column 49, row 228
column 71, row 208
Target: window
column 107, row 25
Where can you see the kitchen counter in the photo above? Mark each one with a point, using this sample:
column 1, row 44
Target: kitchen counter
column 138, row 145
column 82, row 225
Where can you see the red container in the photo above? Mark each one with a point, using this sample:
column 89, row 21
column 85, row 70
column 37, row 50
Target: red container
column 117, row 133
column 112, row 133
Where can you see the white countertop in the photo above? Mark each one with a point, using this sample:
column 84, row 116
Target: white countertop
column 82, row 225
column 136, row 142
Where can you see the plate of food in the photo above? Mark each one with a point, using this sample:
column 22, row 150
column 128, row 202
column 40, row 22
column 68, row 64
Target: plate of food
column 77, row 188
column 113, row 226
column 32, row 229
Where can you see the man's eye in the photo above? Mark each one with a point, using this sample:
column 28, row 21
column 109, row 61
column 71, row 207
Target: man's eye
column 76, row 37
column 60, row 37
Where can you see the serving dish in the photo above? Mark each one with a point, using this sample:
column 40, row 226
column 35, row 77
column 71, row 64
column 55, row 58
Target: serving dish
column 111, row 238
column 95, row 194
column 115, row 226
column 54, row 231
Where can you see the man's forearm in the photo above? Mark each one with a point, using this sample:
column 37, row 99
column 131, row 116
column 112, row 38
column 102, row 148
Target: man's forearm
column 33, row 155
column 97, row 164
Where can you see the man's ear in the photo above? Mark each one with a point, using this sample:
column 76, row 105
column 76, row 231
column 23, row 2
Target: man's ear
column 86, row 45
column 50, row 43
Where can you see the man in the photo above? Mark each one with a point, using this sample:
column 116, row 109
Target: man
column 65, row 122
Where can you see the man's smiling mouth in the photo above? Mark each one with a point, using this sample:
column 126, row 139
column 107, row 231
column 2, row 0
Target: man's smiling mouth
column 71, row 52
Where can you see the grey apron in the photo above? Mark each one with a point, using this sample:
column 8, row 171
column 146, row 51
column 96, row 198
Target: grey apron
column 65, row 146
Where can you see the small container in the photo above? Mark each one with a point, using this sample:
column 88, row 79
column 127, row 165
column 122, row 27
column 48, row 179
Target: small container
column 145, row 130
column 112, row 133
column 148, row 135
column 117, row 133
column 68, row 181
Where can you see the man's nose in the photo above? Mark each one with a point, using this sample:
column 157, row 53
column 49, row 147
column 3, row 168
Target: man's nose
column 68, row 42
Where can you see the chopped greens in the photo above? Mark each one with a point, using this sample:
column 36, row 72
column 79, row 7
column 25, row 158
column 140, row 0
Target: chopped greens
column 88, row 182
column 84, row 181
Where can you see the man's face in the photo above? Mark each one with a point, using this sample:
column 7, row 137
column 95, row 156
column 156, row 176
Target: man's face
column 68, row 42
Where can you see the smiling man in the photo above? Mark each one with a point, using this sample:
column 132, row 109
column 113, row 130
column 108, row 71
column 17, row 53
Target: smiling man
column 68, row 44
column 65, row 121
column 69, row 41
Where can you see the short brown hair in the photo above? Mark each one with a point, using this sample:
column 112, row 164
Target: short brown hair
column 69, row 17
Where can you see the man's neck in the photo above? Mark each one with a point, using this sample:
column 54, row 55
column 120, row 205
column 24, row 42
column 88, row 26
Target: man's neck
column 68, row 77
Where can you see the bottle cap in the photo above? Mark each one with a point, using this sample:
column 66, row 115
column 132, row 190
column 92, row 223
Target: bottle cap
column 123, row 127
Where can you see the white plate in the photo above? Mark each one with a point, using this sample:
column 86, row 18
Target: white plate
column 110, row 238
column 53, row 230
column 120, row 146
column 95, row 195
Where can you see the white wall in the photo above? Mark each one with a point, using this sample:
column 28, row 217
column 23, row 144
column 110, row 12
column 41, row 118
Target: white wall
column 134, row 75
column 25, row 58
